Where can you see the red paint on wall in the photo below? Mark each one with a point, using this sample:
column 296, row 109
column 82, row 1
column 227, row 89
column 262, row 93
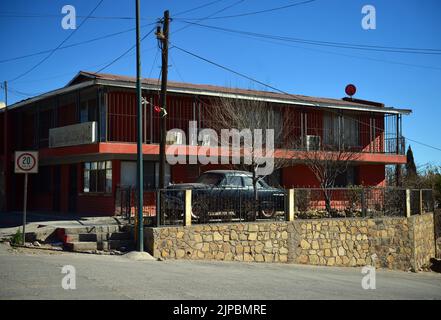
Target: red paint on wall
column 372, row 175
column 298, row 176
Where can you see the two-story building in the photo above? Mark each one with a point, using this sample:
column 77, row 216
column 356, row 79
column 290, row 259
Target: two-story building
column 85, row 133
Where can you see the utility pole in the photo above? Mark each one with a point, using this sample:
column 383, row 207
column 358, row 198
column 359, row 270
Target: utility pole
column 163, row 38
column 5, row 146
column 139, row 162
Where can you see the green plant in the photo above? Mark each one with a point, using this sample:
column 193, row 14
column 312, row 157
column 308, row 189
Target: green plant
column 17, row 238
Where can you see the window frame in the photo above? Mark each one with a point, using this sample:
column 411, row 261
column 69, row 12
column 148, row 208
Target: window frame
column 98, row 177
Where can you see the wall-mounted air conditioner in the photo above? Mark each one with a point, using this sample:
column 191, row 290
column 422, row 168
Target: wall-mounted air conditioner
column 312, row 143
column 208, row 140
column 174, row 137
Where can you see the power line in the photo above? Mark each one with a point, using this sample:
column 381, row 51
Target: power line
column 123, row 54
column 281, row 91
column 345, row 45
column 212, row 14
column 197, row 8
column 45, row 15
column 61, row 44
column 259, row 12
column 74, row 44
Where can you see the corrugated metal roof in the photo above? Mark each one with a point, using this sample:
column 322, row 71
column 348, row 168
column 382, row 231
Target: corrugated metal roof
column 212, row 90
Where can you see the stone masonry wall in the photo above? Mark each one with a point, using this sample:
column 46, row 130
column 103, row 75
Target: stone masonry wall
column 395, row 243
column 260, row 242
column 422, row 230
column 352, row 242
column 437, row 221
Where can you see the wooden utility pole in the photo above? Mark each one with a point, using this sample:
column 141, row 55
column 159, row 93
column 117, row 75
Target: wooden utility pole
column 163, row 38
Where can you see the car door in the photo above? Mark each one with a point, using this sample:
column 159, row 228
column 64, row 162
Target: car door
column 231, row 192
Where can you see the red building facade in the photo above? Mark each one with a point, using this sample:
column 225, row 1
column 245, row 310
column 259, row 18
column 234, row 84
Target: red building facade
column 86, row 137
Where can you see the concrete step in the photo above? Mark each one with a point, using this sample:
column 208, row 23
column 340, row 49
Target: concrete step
column 115, row 245
column 91, row 229
column 81, row 246
column 97, row 236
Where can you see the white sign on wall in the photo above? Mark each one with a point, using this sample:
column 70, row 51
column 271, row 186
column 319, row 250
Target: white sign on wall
column 73, row 135
column 26, row 161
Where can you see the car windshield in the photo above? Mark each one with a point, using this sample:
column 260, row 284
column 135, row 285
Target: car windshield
column 210, row 179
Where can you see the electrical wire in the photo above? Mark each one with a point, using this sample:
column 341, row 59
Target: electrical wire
column 197, row 8
column 124, row 53
column 324, row 43
column 75, row 44
column 281, row 91
column 259, row 12
column 61, row 44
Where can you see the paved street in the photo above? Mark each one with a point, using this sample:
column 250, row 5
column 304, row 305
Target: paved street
column 36, row 274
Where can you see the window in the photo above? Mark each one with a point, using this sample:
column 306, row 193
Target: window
column 98, row 176
column 210, row 179
column 346, row 178
column 88, row 105
column 233, row 181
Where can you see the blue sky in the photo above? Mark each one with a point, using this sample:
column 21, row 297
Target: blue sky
column 397, row 79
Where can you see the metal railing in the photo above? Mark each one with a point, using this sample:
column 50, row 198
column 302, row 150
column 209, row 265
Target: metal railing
column 225, row 205
column 239, row 205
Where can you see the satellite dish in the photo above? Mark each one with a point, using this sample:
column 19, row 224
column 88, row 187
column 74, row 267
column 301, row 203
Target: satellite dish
column 350, row 90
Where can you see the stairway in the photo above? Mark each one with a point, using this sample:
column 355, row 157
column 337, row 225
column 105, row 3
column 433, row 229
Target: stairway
column 94, row 239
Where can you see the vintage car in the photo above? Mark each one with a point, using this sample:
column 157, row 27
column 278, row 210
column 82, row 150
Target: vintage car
column 225, row 195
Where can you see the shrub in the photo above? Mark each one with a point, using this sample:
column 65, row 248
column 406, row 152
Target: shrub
column 17, row 238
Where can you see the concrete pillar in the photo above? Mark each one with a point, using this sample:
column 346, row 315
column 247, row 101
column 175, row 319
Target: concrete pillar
column 408, row 212
column 291, row 205
column 187, row 208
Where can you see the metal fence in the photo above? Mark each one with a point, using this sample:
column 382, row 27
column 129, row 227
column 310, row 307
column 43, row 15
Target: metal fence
column 350, row 202
column 239, row 205
column 227, row 205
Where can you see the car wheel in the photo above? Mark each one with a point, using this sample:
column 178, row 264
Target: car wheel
column 268, row 213
column 200, row 212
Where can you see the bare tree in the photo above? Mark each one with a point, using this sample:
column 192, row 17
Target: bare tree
column 327, row 162
column 250, row 117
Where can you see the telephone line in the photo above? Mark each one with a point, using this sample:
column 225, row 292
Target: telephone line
column 281, row 91
column 61, row 44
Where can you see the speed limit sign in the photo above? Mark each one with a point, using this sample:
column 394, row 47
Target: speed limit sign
column 26, row 162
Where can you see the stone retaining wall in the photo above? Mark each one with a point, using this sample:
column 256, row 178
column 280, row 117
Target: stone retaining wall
column 260, row 242
column 437, row 219
column 395, row 243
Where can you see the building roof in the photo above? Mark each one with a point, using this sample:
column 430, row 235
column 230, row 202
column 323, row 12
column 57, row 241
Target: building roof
column 84, row 78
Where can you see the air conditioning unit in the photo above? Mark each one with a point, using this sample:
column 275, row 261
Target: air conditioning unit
column 174, row 137
column 312, row 143
column 208, row 140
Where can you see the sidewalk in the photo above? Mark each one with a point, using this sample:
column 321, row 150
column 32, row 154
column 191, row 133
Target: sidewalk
column 10, row 221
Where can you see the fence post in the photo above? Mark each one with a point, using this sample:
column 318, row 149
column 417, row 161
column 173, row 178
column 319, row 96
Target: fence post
column 363, row 203
column 291, row 205
column 187, row 208
column 408, row 208
column 421, row 201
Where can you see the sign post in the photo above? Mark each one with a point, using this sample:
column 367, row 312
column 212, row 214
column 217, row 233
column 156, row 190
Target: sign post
column 26, row 162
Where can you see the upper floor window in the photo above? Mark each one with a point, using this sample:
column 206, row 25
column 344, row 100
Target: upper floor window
column 340, row 130
column 88, row 105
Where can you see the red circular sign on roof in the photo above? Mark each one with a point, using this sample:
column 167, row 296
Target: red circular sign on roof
column 350, row 90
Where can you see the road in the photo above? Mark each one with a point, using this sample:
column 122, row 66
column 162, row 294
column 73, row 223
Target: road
column 36, row 274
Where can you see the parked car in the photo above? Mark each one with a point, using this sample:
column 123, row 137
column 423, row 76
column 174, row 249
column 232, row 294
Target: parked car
column 225, row 195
